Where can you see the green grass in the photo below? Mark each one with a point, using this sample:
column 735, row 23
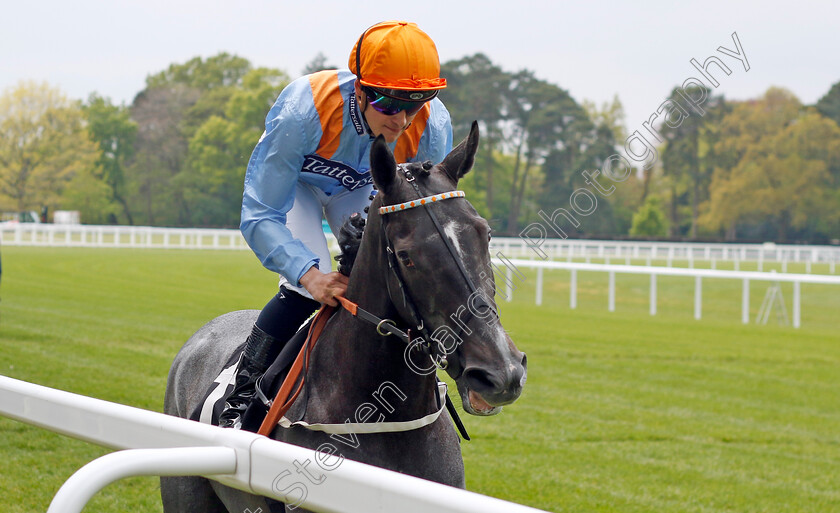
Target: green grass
column 623, row 412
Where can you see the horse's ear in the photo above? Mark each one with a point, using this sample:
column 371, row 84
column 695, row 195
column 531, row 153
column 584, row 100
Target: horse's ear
column 461, row 159
column 383, row 167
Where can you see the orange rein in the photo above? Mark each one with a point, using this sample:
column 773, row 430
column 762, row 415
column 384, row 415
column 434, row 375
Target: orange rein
column 282, row 402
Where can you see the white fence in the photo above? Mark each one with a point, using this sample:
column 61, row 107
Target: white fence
column 33, row 234
column 25, row 234
column 653, row 272
column 81, row 235
column 157, row 444
column 572, row 249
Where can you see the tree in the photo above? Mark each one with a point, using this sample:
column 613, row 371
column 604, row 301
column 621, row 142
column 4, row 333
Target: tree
column 216, row 169
column 829, row 104
column 208, row 103
column 546, row 135
column 161, row 150
column 222, row 70
column 585, row 147
column 784, row 177
column 114, row 132
column 624, row 202
column 249, row 103
column 650, row 220
column 91, row 196
column 318, row 63
column 543, row 118
column 43, row 145
column 475, row 185
column 689, row 136
column 169, row 113
column 477, row 90
column 610, row 115
column 219, row 150
column 799, row 191
column 746, row 123
column 739, row 132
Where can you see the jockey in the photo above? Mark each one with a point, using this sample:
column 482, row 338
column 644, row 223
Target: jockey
column 312, row 161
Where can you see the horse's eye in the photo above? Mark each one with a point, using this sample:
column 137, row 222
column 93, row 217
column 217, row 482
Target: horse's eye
column 405, row 259
column 489, row 235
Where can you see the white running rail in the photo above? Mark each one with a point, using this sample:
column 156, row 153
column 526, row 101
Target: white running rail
column 669, row 252
column 512, row 274
column 38, row 234
column 82, row 235
column 152, row 443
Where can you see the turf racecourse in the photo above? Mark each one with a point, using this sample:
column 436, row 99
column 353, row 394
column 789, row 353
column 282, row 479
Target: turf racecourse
column 623, row 412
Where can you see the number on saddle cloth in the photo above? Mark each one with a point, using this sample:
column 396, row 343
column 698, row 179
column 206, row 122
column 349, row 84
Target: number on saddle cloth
column 211, row 406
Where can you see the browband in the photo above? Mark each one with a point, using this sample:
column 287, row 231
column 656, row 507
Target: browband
column 422, row 201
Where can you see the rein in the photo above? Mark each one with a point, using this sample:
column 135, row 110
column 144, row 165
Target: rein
column 285, row 396
column 384, row 327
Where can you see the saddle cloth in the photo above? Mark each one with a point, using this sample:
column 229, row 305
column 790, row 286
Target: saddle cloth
column 213, row 403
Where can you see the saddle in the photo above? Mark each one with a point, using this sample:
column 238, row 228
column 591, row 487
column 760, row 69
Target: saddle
column 212, row 405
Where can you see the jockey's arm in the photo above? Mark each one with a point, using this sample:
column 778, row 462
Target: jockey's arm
column 269, row 193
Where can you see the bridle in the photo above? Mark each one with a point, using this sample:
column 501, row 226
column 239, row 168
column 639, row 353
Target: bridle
column 386, row 327
column 415, row 318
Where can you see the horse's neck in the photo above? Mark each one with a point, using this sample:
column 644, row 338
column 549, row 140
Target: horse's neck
column 354, row 361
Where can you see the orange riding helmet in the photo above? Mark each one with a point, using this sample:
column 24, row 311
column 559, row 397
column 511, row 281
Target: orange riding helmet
column 399, row 58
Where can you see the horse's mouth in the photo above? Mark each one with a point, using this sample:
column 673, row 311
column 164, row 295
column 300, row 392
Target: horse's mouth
column 474, row 404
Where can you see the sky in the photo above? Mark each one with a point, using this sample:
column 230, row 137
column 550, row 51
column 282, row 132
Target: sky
column 595, row 50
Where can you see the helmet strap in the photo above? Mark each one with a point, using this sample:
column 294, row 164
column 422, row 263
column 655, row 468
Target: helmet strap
column 359, row 54
column 364, row 117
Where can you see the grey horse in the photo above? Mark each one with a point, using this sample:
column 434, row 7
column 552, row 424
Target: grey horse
column 412, row 266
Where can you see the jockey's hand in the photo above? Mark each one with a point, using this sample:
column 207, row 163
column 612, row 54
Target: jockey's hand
column 349, row 239
column 324, row 287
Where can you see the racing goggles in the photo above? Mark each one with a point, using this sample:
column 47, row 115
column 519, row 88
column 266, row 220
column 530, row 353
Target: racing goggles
column 391, row 104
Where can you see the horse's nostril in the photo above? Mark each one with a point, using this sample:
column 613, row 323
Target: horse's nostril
column 524, row 361
column 480, row 380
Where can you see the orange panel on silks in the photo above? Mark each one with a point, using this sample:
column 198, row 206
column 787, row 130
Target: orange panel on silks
column 330, row 106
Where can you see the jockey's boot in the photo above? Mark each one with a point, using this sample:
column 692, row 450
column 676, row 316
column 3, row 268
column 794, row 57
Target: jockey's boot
column 277, row 323
column 254, row 362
